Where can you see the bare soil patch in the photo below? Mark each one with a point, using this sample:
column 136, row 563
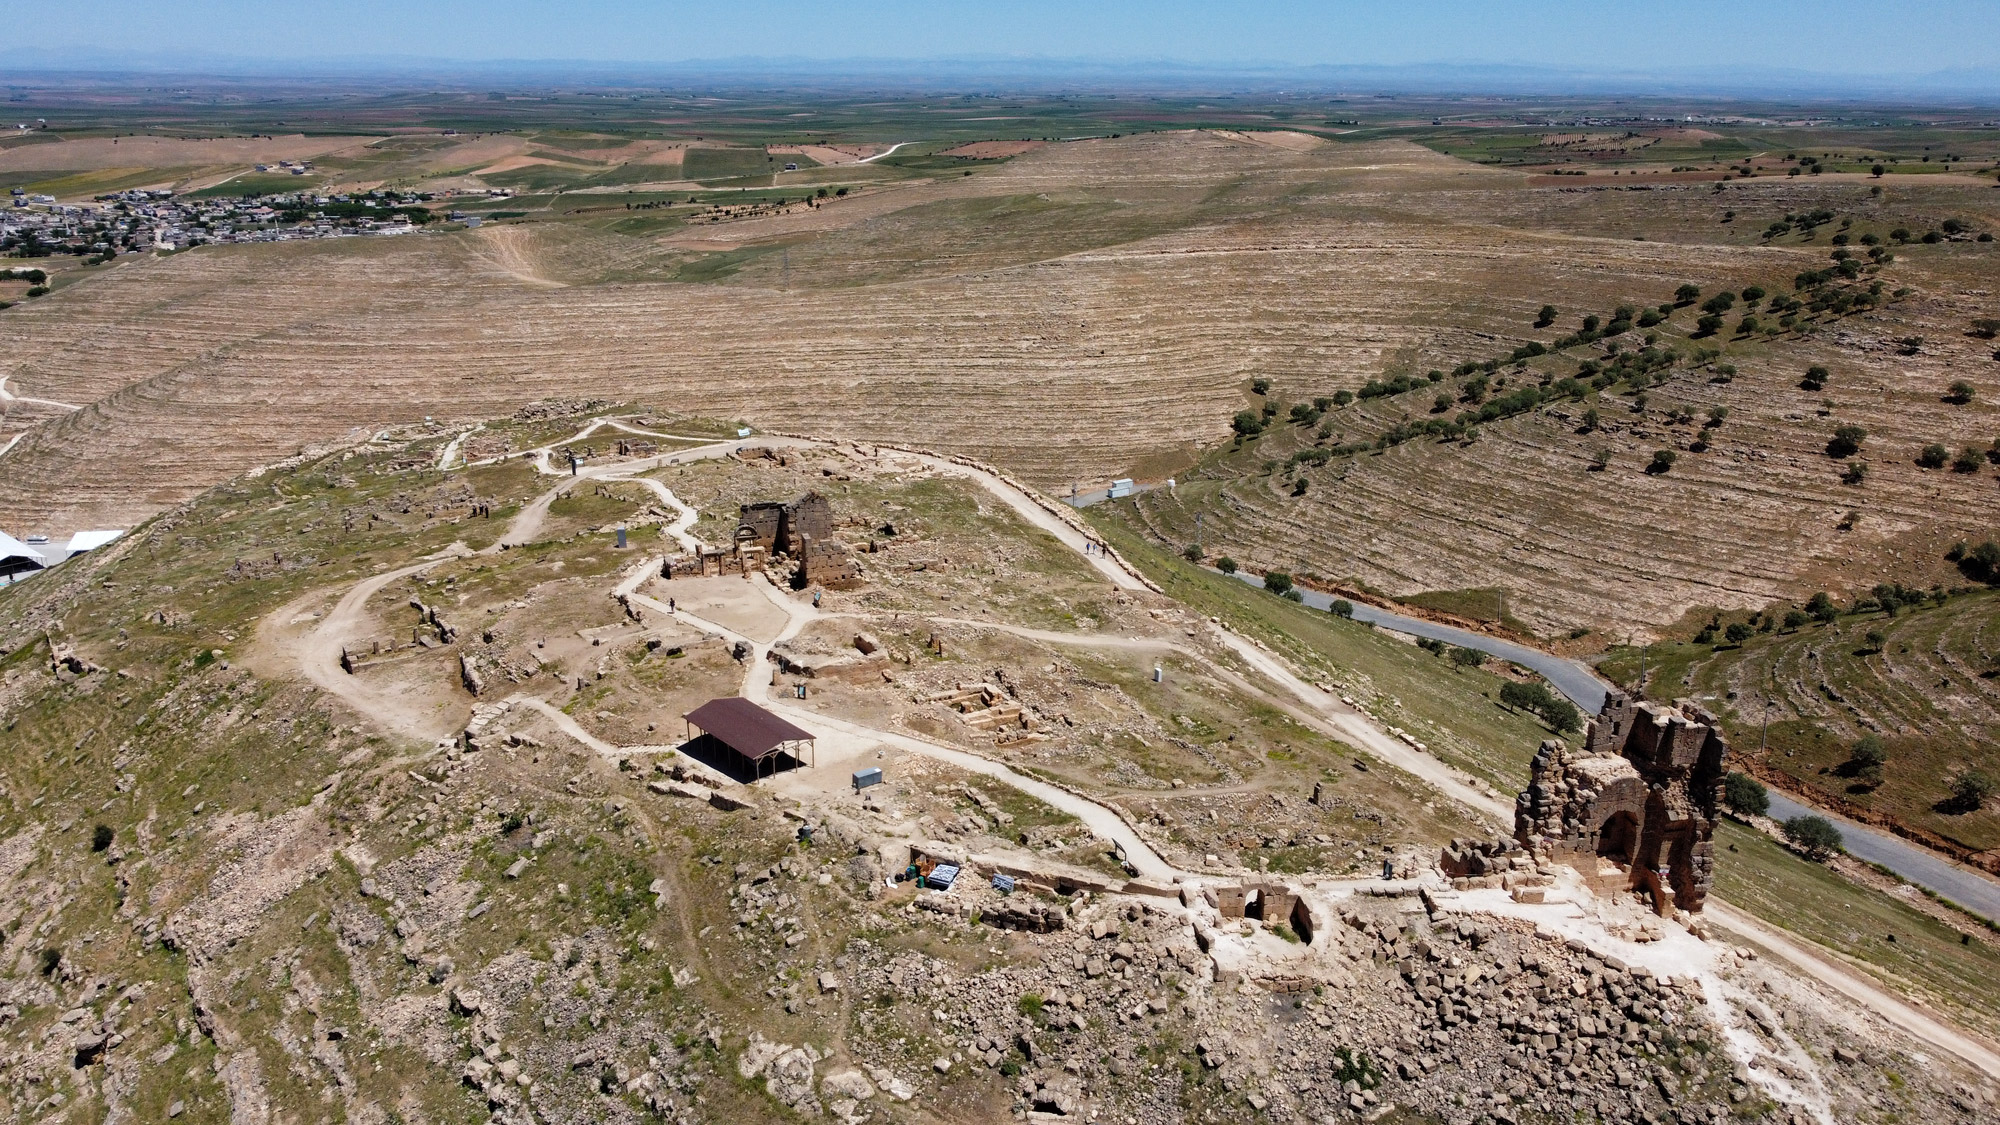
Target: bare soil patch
column 1285, row 139
column 97, row 153
column 992, row 150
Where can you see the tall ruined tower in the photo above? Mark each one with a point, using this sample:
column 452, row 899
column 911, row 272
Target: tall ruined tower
column 1643, row 794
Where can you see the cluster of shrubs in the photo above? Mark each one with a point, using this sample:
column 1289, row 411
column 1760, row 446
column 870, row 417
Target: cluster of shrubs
column 1537, row 699
column 37, row 279
column 1816, row 836
column 1459, row 656
column 1534, row 698
column 1806, row 221
column 1980, row 563
column 1280, row 583
column 1401, row 384
column 1888, row 598
column 1892, row 598
column 1316, row 455
column 1936, row 456
column 1949, row 230
column 1593, row 329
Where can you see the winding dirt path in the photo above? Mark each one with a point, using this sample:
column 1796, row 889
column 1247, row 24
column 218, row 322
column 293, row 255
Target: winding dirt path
column 1823, row 967
column 317, row 656
column 885, row 152
column 317, row 653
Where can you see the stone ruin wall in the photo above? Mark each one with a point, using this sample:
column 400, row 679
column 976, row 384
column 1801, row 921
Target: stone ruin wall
column 1643, row 795
column 761, row 525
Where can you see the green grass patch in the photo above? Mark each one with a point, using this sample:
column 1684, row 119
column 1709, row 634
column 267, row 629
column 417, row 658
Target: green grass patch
column 1453, row 710
column 1484, row 604
column 707, row 164
column 105, row 180
column 1926, row 958
column 720, row 265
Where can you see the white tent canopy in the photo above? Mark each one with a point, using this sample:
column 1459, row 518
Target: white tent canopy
column 89, row 541
column 17, row 559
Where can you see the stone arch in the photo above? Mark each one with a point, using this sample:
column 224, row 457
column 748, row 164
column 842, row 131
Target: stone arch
column 1619, row 838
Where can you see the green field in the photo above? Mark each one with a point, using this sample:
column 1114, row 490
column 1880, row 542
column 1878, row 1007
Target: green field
column 1453, row 711
column 1715, row 147
column 704, row 164
column 1924, row 958
column 1486, row 605
column 100, row 182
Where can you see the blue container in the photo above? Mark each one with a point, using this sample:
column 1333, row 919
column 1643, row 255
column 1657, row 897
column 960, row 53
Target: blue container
column 864, row 778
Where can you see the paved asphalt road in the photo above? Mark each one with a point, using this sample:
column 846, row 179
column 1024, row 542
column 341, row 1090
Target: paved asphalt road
column 1573, row 678
column 1920, row 865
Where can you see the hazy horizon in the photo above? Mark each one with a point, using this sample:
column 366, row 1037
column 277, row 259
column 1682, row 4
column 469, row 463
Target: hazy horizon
column 1828, row 48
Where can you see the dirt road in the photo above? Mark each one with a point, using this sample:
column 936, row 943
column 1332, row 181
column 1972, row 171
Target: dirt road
column 317, row 655
column 318, row 658
column 1856, row 986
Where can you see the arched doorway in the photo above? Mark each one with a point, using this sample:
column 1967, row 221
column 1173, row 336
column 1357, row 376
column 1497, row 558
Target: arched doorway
column 1619, row 838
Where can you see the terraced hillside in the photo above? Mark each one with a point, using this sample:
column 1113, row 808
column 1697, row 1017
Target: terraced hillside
column 1554, row 504
column 1086, row 310
column 1922, row 682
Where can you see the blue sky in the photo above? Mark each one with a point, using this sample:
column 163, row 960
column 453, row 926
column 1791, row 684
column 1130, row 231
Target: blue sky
column 1861, row 37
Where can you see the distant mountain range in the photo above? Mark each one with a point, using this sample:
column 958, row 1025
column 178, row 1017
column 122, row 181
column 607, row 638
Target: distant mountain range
column 1978, row 85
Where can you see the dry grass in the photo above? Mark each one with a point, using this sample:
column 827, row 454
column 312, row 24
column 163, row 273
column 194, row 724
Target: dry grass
column 93, row 154
column 1077, row 312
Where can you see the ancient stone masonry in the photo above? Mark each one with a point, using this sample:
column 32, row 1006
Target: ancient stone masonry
column 801, row 530
column 826, row 562
column 1641, row 796
column 1274, row 903
column 782, row 529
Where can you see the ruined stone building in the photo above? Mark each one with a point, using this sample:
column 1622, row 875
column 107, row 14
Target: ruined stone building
column 801, row 531
column 1274, row 903
column 785, row 529
column 1636, row 808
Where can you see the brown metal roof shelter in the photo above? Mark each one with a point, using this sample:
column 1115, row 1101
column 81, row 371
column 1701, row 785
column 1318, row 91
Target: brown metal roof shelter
column 752, row 732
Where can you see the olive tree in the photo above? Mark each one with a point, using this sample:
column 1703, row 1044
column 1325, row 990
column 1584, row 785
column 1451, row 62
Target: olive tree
column 1814, row 835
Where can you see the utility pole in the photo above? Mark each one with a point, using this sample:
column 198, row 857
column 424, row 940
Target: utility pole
column 1197, row 531
column 1642, row 668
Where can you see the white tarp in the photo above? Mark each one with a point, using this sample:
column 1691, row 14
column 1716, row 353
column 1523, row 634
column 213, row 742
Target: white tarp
column 89, row 541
